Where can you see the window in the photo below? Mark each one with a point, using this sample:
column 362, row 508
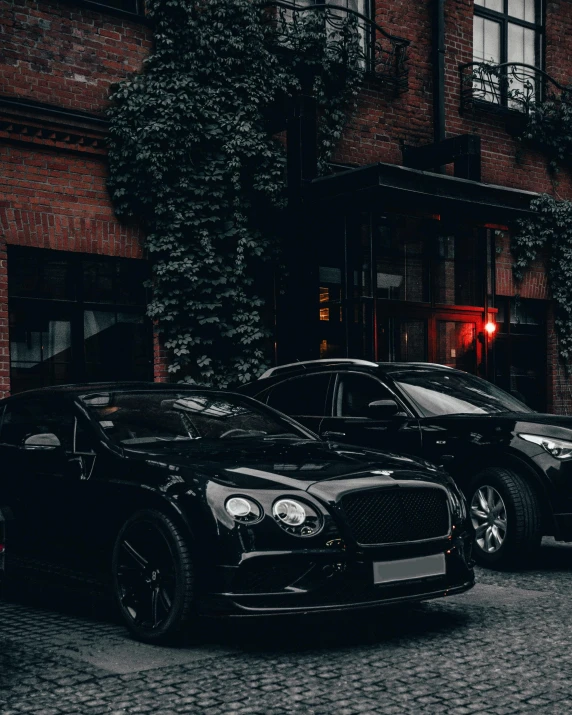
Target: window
column 76, row 317
column 507, row 31
column 520, row 349
column 133, row 7
column 355, row 392
column 335, row 15
column 301, row 396
column 24, row 418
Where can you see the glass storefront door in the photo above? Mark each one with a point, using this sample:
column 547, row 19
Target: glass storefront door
column 401, row 288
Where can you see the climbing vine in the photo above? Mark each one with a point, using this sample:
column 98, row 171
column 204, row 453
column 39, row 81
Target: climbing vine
column 193, row 162
column 548, row 127
column 550, row 231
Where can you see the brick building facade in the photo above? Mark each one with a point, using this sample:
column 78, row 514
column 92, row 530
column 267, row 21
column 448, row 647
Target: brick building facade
column 429, row 300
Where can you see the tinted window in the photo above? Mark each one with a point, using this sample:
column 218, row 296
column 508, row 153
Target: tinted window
column 454, row 393
column 301, row 395
column 355, row 392
column 163, row 417
column 24, row 418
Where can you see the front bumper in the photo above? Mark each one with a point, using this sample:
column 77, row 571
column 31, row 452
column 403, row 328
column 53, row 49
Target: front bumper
column 325, row 580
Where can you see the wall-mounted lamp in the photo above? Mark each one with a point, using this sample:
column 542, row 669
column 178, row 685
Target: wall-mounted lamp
column 490, row 328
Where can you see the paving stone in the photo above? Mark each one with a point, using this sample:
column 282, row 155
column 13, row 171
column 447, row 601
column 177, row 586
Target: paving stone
column 500, row 649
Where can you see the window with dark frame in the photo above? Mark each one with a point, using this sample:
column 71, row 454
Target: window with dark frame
column 76, row 317
column 134, row 7
column 508, row 31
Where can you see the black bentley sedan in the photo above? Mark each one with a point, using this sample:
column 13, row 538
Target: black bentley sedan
column 194, row 501
column 513, row 464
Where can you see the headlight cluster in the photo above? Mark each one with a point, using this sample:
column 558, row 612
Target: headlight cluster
column 243, row 510
column 558, row 448
column 295, row 517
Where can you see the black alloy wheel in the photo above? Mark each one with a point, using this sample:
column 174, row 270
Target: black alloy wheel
column 505, row 514
column 153, row 577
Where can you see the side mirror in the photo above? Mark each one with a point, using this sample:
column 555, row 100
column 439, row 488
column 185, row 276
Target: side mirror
column 383, row 408
column 45, row 440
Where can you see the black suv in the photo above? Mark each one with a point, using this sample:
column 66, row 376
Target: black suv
column 513, row 464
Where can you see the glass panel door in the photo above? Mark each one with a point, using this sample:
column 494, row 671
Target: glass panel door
column 457, row 345
column 402, row 339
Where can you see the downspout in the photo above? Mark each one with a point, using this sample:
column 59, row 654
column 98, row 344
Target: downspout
column 439, row 72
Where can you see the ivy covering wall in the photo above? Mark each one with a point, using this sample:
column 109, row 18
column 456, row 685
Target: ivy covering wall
column 549, row 233
column 192, row 160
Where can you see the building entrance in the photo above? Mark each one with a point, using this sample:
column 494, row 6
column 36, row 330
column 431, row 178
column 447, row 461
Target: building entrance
column 404, row 288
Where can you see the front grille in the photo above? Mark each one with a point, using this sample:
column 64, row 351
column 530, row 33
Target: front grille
column 389, row 516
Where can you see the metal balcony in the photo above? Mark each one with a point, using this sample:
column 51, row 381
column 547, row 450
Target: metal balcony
column 506, row 87
column 382, row 55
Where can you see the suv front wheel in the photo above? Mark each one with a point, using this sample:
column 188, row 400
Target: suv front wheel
column 506, row 517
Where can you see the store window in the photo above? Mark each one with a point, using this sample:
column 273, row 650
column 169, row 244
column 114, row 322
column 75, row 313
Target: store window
column 76, row 317
column 520, row 349
column 507, row 31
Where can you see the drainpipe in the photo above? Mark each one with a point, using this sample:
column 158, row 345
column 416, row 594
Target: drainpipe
column 439, row 72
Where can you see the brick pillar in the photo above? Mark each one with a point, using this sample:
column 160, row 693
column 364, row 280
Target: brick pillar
column 160, row 372
column 4, row 335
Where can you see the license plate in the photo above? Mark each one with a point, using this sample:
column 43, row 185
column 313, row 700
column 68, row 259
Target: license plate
column 405, row 569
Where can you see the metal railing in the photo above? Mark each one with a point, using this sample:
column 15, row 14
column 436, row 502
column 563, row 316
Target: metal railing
column 380, row 54
column 508, row 86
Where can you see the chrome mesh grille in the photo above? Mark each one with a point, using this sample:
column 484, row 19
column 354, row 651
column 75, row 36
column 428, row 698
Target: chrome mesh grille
column 388, row 516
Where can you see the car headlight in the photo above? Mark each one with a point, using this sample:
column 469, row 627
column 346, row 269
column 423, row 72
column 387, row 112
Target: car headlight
column 557, row 448
column 243, row 510
column 296, row 517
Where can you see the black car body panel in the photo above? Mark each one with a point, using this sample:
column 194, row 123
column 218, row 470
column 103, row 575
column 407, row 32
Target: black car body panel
column 462, row 443
column 69, row 505
column 2, row 544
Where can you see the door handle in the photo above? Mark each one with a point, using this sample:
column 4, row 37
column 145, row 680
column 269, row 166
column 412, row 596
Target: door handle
column 333, row 434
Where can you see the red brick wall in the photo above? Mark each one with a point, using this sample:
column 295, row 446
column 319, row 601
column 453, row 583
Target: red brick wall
column 383, row 121
column 60, row 202
column 69, row 56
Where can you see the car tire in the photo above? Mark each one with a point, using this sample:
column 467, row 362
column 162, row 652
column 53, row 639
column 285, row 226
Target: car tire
column 153, row 577
column 505, row 513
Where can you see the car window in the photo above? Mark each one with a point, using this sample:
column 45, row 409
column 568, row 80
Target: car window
column 355, row 392
column 440, row 392
column 24, row 418
column 161, row 418
column 304, row 395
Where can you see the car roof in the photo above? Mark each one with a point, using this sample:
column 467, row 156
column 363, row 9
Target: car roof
column 310, row 366
column 81, row 388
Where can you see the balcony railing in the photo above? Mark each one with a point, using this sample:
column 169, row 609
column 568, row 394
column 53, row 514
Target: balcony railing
column 381, row 54
column 511, row 86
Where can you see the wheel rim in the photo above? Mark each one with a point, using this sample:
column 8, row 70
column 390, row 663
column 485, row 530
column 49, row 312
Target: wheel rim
column 488, row 514
column 146, row 575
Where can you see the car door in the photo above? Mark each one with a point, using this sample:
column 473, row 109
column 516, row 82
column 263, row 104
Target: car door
column 387, row 425
column 40, row 475
column 303, row 398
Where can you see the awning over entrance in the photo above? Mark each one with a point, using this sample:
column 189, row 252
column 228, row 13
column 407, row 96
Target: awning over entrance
column 388, row 186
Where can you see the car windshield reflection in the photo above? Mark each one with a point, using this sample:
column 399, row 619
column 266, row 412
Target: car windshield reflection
column 137, row 419
column 440, row 393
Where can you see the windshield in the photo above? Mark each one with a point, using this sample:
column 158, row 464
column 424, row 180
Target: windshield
column 440, row 392
column 151, row 418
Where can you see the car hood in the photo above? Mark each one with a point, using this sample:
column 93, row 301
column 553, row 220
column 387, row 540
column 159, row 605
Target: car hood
column 537, row 422
column 291, row 464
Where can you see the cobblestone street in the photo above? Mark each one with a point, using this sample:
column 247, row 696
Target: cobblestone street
column 504, row 647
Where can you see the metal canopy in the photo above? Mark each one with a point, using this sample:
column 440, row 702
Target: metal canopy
column 383, row 187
